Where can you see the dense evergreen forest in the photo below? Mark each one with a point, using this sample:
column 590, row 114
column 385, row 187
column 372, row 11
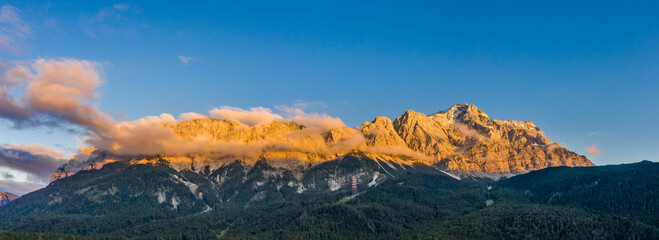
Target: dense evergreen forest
column 608, row 202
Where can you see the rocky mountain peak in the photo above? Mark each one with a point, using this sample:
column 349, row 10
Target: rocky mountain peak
column 462, row 113
column 381, row 132
column 461, row 138
column 410, row 116
column 6, row 197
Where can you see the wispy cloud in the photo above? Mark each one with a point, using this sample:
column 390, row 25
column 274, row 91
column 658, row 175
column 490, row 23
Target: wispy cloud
column 191, row 116
column 556, row 145
column 470, row 132
column 592, row 150
column 305, row 104
column 598, row 133
column 121, row 6
column 322, row 122
column 19, row 188
column 119, row 19
column 185, row 60
column 37, row 149
column 251, row 117
column 57, row 91
column 35, row 162
column 13, row 28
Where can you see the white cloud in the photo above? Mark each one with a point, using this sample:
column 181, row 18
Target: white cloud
column 185, row 60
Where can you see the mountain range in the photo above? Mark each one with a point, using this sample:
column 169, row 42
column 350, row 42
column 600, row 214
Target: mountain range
column 462, row 138
column 453, row 174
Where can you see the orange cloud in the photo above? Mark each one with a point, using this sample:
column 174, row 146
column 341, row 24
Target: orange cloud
column 57, row 91
column 63, row 89
column 592, row 150
column 253, row 117
column 322, row 122
column 37, row 149
column 191, row 116
column 470, row 132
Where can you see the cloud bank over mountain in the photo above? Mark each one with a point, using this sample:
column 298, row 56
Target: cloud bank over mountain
column 62, row 93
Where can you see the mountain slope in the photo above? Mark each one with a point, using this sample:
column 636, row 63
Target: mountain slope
column 141, row 193
column 265, row 201
column 627, row 189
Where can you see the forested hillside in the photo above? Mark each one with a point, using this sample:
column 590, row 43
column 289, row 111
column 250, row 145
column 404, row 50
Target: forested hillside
column 609, row 202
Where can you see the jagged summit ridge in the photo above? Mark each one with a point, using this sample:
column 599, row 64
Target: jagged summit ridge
column 464, row 138
column 461, row 138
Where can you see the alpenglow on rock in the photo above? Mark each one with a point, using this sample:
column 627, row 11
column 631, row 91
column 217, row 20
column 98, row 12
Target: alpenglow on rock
column 462, row 138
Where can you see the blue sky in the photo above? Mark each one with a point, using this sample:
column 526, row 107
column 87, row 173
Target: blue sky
column 586, row 73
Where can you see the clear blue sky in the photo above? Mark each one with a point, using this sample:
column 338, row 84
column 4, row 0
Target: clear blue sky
column 586, row 73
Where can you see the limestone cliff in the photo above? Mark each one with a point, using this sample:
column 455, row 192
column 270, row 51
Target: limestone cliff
column 462, row 138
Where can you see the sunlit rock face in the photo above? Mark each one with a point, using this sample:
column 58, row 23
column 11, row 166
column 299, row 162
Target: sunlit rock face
column 464, row 138
column 461, row 138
